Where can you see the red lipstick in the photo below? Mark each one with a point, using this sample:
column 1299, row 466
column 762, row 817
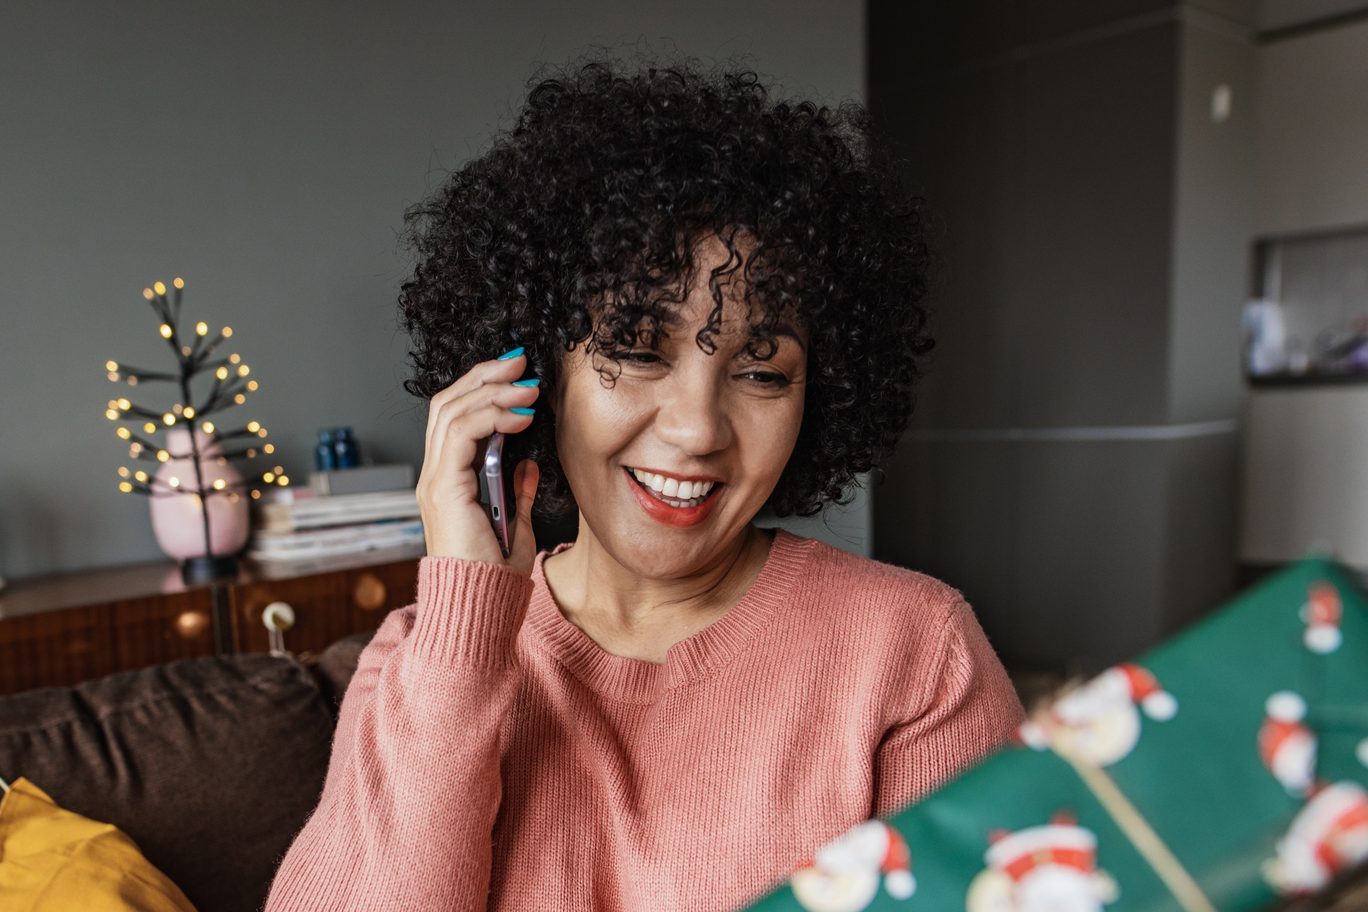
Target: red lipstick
column 672, row 516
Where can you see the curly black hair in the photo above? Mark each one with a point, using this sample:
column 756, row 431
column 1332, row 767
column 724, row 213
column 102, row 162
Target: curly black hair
column 578, row 226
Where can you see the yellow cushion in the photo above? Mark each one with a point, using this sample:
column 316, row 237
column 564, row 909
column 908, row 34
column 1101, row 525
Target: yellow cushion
column 54, row 859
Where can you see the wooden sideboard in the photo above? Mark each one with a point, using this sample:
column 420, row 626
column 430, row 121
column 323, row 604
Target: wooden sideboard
column 62, row 629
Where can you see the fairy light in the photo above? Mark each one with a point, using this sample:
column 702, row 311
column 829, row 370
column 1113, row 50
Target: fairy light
column 233, row 380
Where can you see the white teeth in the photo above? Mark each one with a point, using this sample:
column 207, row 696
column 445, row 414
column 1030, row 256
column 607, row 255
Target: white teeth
column 673, row 487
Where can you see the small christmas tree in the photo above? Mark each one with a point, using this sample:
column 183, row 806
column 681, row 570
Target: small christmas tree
column 230, row 388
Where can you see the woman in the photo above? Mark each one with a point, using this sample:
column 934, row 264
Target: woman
column 715, row 301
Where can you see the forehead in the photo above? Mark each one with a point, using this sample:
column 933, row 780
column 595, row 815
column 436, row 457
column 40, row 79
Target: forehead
column 715, row 264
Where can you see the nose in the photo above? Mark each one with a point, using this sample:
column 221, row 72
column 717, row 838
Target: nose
column 692, row 412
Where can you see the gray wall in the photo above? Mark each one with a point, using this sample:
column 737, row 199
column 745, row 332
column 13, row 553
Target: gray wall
column 265, row 152
column 1313, row 131
column 1072, row 468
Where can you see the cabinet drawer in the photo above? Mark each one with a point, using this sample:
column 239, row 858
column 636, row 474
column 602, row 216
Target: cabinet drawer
column 327, row 606
column 61, row 648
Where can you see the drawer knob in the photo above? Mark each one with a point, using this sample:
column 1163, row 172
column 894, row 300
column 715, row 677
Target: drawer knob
column 369, row 593
column 277, row 617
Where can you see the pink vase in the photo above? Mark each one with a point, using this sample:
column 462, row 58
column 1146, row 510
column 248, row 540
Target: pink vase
column 177, row 521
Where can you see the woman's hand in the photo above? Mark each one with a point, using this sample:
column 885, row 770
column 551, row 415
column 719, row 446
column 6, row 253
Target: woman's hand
column 460, row 419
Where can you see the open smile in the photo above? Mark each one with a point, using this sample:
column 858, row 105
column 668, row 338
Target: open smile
column 671, row 510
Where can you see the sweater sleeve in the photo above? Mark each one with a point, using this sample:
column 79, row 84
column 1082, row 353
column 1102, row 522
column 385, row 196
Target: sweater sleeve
column 973, row 710
column 406, row 815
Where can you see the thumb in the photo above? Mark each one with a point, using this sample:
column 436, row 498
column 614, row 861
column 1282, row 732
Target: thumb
column 525, row 479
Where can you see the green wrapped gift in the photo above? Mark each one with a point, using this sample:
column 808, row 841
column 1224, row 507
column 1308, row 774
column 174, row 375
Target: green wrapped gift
column 1224, row 769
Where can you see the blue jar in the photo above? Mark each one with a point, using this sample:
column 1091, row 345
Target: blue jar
column 325, row 458
column 345, row 447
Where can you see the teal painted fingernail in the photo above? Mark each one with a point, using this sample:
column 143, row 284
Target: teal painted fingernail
column 533, row 382
column 511, row 354
column 523, row 411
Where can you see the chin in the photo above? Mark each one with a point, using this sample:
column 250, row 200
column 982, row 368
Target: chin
column 660, row 552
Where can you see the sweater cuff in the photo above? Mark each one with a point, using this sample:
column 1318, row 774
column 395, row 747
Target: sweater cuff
column 469, row 611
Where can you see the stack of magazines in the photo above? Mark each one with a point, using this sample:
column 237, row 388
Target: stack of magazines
column 302, row 525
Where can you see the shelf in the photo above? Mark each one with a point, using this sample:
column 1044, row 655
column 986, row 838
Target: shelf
column 1292, row 380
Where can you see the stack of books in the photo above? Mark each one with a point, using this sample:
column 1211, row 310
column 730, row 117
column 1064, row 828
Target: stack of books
column 340, row 513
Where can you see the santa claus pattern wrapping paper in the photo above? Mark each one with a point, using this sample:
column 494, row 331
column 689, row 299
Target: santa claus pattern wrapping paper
column 1224, row 769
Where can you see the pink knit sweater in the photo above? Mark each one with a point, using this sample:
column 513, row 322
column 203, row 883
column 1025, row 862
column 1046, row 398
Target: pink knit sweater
column 489, row 754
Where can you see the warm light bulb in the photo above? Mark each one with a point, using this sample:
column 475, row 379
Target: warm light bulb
column 268, row 477
column 251, row 452
column 188, row 412
column 173, row 481
column 185, row 349
column 132, row 380
column 243, row 370
column 124, row 403
column 169, row 418
column 221, row 373
column 235, row 357
column 201, row 327
column 125, row 487
column 239, row 398
column 111, row 365
column 261, row 433
column 284, row 479
column 163, row 456
column 252, row 385
column 280, row 469
column 208, row 427
column 227, row 332
column 166, row 330
column 123, row 471
column 123, row 432
column 219, row 484
column 112, row 415
column 177, row 408
column 134, row 448
column 147, row 293
column 253, row 425
column 140, row 475
column 178, row 282
column 150, row 428
column 159, row 287
column 256, row 495
column 112, row 375
column 268, row 448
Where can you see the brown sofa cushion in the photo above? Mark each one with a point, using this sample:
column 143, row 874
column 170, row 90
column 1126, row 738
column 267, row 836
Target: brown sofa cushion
column 333, row 667
column 211, row 765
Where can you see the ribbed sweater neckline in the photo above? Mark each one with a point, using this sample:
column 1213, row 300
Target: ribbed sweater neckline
column 692, row 658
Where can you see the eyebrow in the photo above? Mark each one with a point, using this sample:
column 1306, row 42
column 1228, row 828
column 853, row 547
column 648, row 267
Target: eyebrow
column 786, row 329
column 780, row 329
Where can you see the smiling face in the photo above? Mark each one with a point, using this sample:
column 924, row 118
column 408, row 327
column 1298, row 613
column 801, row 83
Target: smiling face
column 685, row 414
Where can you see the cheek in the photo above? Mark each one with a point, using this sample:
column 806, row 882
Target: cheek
column 772, row 434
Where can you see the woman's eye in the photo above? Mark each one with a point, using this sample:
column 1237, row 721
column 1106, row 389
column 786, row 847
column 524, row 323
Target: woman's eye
column 768, row 378
column 637, row 357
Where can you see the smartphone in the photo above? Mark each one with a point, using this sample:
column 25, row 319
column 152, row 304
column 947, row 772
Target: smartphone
column 499, row 502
